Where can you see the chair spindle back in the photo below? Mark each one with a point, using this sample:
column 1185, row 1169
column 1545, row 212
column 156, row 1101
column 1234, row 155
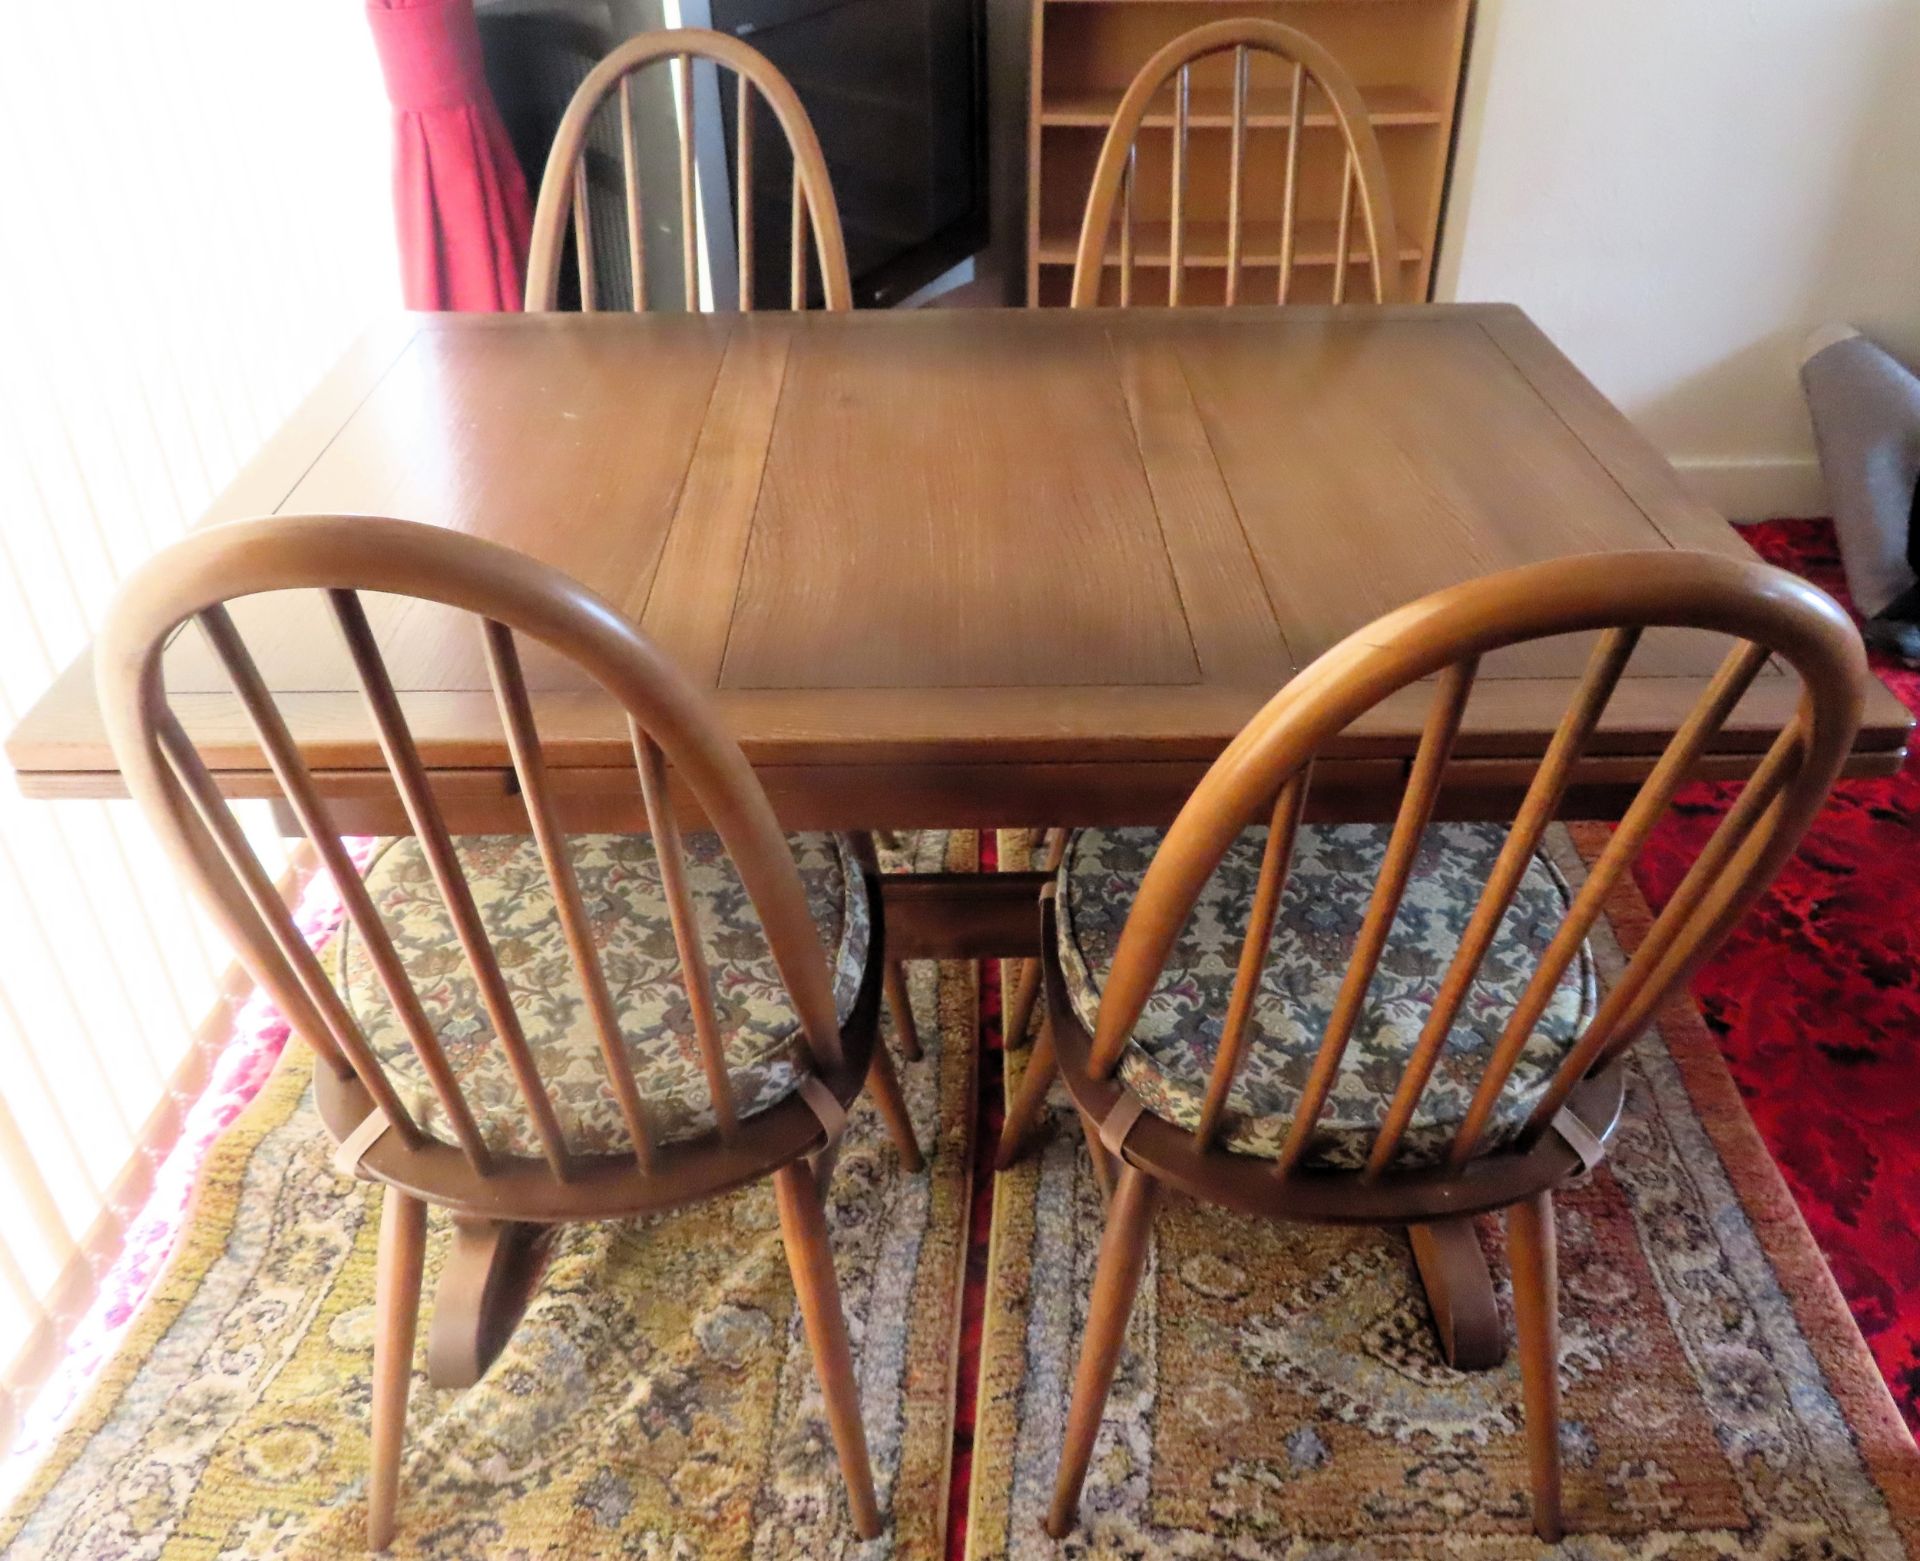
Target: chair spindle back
column 1765, row 611
column 565, row 199
column 510, row 597
column 1363, row 170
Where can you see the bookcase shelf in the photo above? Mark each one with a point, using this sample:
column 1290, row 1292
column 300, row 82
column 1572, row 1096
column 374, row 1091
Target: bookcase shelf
column 1407, row 55
column 1315, row 243
column 1268, row 108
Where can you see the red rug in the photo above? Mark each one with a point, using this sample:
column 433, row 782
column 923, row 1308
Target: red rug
column 1816, row 1001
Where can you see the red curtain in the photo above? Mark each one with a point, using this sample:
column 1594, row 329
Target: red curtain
column 459, row 200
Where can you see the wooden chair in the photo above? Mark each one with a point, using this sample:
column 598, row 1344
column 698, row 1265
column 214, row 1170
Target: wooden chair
column 564, row 192
column 512, row 1119
column 1363, row 172
column 564, row 199
column 1512, row 1082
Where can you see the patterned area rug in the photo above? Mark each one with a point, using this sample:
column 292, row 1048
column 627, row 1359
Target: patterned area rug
column 1281, row 1394
column 657, row 1400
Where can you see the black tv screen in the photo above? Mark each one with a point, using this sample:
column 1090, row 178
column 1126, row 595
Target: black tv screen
column 894, row 91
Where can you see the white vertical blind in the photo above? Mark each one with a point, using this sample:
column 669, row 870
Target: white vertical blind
column 196, row 221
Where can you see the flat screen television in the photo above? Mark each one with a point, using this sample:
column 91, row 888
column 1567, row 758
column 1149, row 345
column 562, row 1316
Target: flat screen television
column 894, row 88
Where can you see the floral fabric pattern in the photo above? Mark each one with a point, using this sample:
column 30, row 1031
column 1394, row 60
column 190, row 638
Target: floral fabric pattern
column 620, row 885
column 1171, row 1053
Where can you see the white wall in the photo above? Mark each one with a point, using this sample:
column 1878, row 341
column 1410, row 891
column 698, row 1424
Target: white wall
column 1678, row 190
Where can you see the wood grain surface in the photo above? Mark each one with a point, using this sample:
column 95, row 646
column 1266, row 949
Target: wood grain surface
column 960, row 566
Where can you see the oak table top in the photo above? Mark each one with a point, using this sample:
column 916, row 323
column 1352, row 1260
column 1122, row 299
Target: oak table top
column 960, row 567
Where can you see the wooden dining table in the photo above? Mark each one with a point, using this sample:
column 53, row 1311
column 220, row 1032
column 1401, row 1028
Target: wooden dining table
column 960, row 567
column 966, row 568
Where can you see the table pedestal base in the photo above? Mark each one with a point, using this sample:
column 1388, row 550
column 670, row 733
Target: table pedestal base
column 484, row 1288
column 1459, row 1289
column 994, row 915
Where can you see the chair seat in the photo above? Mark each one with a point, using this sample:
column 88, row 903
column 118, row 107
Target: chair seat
column 1168, row 1058
column 619, row 878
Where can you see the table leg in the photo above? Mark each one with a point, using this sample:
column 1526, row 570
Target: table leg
column 1460, row 1293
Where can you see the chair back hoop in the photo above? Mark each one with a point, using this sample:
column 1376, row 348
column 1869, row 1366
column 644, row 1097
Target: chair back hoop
column 1363, row 171
column 1765, row 611
column 510, row 595
column 564, row 193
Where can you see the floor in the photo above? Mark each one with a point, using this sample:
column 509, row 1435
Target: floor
column 1816, row 999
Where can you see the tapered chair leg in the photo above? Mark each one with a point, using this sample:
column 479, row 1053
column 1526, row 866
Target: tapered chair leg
column 1019, row 1011
column 1029, row 1102
column 1023, row 1116
column 803, row 1227
column 1123, row 1257
column 1533, row 1251
column 403, row 1244
column 1106, row 1166
column 885, row 1084
column 1026, row 990
column 900, row 1005
column 895, row 975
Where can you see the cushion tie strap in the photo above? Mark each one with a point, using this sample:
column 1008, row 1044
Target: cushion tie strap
column 352, row 1149
column 821, row 1101
column 1580, row 1138
column 1118, row 1121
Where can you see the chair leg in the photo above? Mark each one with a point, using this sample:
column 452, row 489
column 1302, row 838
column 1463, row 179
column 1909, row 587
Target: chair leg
column 1024, row 1114
column 900, row 1004
column 803, row 1228
column 1536, row 1307
column 885, row 1084
column 1123, row 1257
column 825, row 1163
column 1106, row 1169
column 1029, row 1102
column 403, row 1244
column 1019, row 1012
column 895, row 975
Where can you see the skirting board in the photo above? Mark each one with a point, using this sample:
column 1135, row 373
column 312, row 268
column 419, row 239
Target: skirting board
column 1756, row 488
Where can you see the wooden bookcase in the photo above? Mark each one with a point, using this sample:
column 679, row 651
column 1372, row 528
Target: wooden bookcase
column 1406, row 55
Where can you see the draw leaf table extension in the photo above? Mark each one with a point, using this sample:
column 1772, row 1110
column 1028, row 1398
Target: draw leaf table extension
column 966, row 568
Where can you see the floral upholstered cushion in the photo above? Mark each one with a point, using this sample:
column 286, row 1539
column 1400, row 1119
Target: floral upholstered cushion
column 1335, row 868
column 620, row 884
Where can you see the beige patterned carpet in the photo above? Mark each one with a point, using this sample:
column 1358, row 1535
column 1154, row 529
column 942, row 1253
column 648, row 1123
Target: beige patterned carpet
column 1281, row 1395
column 657, row 1400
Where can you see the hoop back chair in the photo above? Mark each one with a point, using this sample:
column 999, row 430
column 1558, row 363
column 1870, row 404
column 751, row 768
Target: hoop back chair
column 1363, row 171
column 565, row 200
column 1363, row 176
column 1357, row 1134
column 437, row 1113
